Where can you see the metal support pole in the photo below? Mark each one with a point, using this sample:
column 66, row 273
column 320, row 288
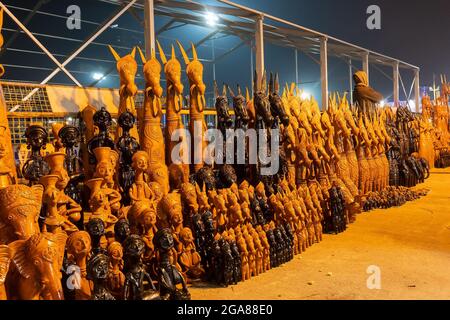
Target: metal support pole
column 213, row 59
column 149, row 17
column 39, row 44
column 251, row 67
column 350, row 80
column 259, row 41
column 417, row 89
column 324, row 71
column 396, row 84
column 296, row 67
column 365, row 63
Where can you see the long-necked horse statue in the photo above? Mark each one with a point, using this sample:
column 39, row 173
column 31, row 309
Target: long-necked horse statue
column 174, row 104
column 197, row 103
column 151, row 134
column 127, row 69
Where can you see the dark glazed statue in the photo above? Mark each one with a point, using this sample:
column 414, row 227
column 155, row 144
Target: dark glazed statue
column 135, row 273
column 97, row 271
column 206, row 177
column 70, row 137
column 127, row 146
column 102, row 119
column 35, row 167
column 122, row 230
column 169, row 277
column 96, row 229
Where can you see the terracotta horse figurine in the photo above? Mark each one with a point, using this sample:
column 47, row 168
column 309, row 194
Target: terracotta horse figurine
column 174, row 104
column 127, row 69
column 241, row 122
column 197, row 104
column 152, row 139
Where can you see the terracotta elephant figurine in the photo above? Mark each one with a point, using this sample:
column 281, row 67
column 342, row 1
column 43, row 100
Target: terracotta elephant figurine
column 19, row 212
column 37, row 266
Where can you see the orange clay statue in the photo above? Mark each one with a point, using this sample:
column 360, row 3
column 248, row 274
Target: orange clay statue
column 57, row 216
column 127, row 69
column 197, row 103
column 189, row 258
column 7, row 176
column 174, row 103
column 116, row 278
column 78, row 248
column 152, row 138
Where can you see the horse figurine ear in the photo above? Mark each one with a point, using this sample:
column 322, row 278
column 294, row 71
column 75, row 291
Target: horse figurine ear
column 114, row 53
column 276, row 85
column 224, row 90
column 271, row 83
column 255, row 82
column 142, row 55
column 293, row 87
column 133, row 52
column 239, row 90
column 231, row 91
column 194, row 52
column 183, row 53
column 216, row 90
column 264, row 82
column 161, row 53
column 173, row 53
column 152, row 54
column 247, row 94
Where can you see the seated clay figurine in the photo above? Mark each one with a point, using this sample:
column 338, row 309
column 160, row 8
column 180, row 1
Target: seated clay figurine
column 99, row 202
column 172, row 285
column 135, row 274
column 58, row 215
column 140, row 189
column 5, row 259
column 97, row 272
column 78, row 248
column 189, row 258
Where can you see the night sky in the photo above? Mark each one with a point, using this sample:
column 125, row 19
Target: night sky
column 413, row 31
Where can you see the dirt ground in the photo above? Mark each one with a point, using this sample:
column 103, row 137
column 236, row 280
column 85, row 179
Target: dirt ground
column 410, row 245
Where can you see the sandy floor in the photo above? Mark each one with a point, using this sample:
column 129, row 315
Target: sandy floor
column 410, row 245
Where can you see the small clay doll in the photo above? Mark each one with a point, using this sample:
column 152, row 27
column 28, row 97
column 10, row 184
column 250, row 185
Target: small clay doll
column 169, row 277
column 78, row 248
column 55, row 217
column 140, row 190
column 121, row 230
column 96, row 229
column 135, row 273
column 189, row 259
column 116, row 279
column 97, row 271
column 189, row 200
column 5, row 259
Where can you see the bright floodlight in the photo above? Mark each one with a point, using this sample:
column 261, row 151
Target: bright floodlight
column 97, row 75
column 305, row 95
column 412, row 104
column 382, row 103
column 211, row 18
